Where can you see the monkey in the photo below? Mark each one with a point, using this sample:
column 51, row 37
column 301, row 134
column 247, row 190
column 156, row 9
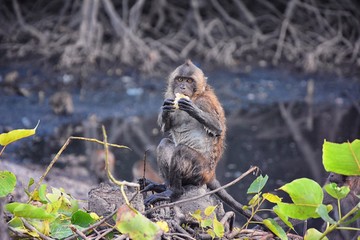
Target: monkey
column 196, row 123
column 197, row 127
column 346, row 204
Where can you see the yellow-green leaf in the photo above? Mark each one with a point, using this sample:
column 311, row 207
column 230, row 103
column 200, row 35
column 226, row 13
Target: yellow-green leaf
column 283, row 217
column 209, row 210
column 271, row 197
column 197, row 215
column 342, row 158
column 28, row 211
column 298, row 211
column 304, row 191
column 7, row 183
column 163, row 226
column 255, row 200
column 275, row 228
column 218, row 228
column 313, row 234
column 14, row 135
column 337, row 192
column 137, row 226
column 206, row 223
column 94, row 216
column 258, row 184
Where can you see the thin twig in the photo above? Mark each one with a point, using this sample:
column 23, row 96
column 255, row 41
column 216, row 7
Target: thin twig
column 78, row 232
column 57, row 156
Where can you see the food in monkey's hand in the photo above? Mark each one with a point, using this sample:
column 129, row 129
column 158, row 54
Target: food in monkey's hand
column 179, row 96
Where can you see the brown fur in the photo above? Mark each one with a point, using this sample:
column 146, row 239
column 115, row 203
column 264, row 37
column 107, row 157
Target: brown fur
column 197, row 143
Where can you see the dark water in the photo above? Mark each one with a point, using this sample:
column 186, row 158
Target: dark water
column 128, row 105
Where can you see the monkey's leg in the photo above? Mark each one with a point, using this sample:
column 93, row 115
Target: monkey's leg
column 165, row 151
column 186, row 167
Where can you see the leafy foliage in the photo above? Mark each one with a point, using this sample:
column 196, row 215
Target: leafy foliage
column 207, row 221
column 54, row 213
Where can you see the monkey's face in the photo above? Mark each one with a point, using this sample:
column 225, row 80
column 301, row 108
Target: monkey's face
column 184, row 85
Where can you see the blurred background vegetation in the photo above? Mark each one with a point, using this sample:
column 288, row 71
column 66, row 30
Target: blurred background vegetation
column 311, row 34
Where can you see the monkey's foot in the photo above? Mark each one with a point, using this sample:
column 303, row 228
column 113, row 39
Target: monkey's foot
column 163, row 196
column 147, row 185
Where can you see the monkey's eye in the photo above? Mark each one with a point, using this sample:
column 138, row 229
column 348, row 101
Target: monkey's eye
column 189, row 80
column 179, row 79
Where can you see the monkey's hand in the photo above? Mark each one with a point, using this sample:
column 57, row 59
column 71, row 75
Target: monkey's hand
column 165, row 118
column 163, row 196
column 211, row 124
column 147, row 185
column 188, row 106
column 168, row 106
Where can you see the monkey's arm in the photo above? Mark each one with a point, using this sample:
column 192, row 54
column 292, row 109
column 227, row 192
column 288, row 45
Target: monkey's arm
column 210, row 121
column 165, row 118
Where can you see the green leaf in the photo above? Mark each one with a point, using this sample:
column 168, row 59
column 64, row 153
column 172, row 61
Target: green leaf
column 28, row 211
column 313, row 234
column 209, row 210
column 218, row 228
column 14, row 135
column 342, row 158
column 258, row 184
column 271, row 197
column 131, row 222
column 206, row 223
column 27, row 190
column 7, row 183
column 337, row 192
column 275, row 228
column 304, row 191
column 59, row 229
column 283, row 217
column 82, row 219
column 323, row 211
column 42, row 193
column 31, row 182
column 301, row 212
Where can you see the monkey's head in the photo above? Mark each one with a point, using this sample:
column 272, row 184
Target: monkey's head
column 186, row 79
